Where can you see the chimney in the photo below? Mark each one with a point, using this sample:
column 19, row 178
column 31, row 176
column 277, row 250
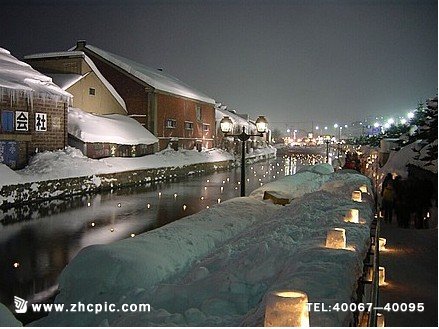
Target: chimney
column 80, row 44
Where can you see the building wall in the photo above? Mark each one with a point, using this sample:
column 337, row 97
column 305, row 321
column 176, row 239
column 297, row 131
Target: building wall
column 132, row 92
column 74, row 65
column 184, row 110
column 102, row 102
column 31, row 141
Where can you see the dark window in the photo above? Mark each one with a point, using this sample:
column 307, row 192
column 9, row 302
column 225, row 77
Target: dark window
column 171, row 123
column 198, row 112
column 188, row 125
column 7, row 121
column 92, row 91
column 206, row 127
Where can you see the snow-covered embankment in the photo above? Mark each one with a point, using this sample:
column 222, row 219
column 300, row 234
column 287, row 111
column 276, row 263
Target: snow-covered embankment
column 215, row 267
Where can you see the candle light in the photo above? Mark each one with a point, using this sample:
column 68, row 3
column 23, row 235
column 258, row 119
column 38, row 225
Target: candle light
column 352, row 216
column 356, row 196
column 286, row 309
column 363, row 188
column 336, row 238
column 382, row 276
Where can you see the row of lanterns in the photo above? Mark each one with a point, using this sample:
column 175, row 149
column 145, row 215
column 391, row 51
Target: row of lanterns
column 290, row 308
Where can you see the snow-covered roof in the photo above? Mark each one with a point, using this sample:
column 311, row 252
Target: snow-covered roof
column 16, row 75
column 221, row 112
column 111, row 128
column 66, row 80
column 69, row 80
column 153, row 77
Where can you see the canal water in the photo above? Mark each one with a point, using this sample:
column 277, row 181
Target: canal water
column 37, row 242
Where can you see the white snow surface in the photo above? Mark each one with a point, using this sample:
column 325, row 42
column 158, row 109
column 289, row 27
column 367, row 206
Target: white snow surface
column 109, row 128
column 214, row 268
column 16, row 75
column 153, row 77
column 7, row 319
column 398, row 160
column 8, row 176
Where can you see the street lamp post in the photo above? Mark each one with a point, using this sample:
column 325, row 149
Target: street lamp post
column 226, row 125
column 327, row 141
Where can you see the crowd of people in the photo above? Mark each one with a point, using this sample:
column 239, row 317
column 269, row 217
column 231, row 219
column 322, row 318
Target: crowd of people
column 407, row 199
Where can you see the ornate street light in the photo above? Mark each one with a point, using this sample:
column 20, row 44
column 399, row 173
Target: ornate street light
column 226, row 126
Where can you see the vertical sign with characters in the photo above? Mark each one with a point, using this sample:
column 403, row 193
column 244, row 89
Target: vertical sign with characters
column 40, row 122
column 21, row 121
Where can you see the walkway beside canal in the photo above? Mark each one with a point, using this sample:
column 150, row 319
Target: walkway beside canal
column 411, row 265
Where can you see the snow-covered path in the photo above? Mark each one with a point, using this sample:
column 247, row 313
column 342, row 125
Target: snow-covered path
column 411, row 265
column 214, row 268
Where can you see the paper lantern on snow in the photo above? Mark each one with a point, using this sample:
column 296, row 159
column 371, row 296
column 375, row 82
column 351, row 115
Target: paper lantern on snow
column 382, row 243
column 380, row 320
column 352, row 216
column 336, row 238
column 356, row 196
column 286, row 309
column 363, row 189
column 382, row 276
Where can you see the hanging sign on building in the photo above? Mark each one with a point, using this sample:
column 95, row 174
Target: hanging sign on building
column 40, row 122
column 21, row 121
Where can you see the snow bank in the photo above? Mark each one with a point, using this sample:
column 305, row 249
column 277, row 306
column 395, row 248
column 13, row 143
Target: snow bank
column 398, row 160
column 8, row 176
column 110, row 128
column 215, row 267
column 7, row 319
column 17, row 76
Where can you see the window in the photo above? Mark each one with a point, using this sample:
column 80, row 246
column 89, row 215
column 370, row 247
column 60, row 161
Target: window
column 206, row 127
column 92, row 91
column 7, row 121
column 188, row 125
column 198, row 112
column 171, row 123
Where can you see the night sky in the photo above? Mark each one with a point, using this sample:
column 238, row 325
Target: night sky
column 297, row 62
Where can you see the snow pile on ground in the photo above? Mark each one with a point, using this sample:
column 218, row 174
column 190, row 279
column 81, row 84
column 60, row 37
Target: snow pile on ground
column 398, row 160
column 8, row 176
column 215, row 268
column 70, row 162
column 110, row 128
column 7, row 319
column 17, row 76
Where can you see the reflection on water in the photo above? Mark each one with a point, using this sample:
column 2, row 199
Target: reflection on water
column 37, row 242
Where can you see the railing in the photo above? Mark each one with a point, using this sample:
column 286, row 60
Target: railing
column 372, row 320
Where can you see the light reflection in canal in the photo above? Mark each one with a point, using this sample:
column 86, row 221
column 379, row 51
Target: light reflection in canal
column 37, row 243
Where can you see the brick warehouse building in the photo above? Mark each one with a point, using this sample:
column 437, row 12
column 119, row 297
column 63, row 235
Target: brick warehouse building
column 173, row 111
column 33, row 112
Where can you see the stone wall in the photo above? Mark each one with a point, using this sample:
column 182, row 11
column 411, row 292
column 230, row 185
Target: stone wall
column 28, row 193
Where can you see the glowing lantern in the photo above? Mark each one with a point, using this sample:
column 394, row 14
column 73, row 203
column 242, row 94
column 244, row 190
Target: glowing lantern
column 352, row 216
column 382, row 276
column 380, row 320
column 286, row 309
column 133, row 235
column 16, row 264
column 336, row 238
column 363, row 188
column 382, row 243
column 356, row 196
